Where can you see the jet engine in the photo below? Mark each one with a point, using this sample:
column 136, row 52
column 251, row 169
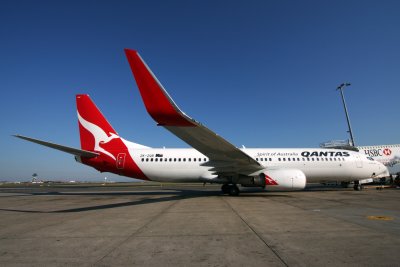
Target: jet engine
column 273, row 180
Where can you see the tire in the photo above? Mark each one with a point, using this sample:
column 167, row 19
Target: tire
column 358, row 187
column 233, row 190
column 225, row 189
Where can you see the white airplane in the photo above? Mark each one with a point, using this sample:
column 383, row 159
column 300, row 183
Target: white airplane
column 212, row 159
column 388, row 155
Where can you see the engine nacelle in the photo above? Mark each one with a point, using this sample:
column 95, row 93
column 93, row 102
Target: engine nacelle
column 252, row 181
column 284, row 179
column 274, row 180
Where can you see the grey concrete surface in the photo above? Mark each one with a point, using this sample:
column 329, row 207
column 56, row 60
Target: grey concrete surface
column 196, row 226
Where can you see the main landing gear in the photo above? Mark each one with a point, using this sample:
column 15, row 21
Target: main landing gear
column 358, row 186
column 230, row 189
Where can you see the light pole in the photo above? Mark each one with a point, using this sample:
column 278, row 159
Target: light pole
column 340, row 88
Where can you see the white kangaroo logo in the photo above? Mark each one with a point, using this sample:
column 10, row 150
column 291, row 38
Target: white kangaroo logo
column 100, row 137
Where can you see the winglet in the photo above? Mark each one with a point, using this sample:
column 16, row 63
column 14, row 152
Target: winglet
column 158, row 103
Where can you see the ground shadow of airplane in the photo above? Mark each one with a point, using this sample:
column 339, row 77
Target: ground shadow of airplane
column 157, row 196
column 164, row 195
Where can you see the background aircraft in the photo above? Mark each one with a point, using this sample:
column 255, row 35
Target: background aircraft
column 388, row 155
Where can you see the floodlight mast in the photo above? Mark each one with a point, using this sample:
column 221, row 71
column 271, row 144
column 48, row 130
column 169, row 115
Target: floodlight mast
column 340, row 88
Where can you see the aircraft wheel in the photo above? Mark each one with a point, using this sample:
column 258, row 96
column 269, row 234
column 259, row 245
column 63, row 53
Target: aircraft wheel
column 225, row 189
column 358, row 187
column 234, row 190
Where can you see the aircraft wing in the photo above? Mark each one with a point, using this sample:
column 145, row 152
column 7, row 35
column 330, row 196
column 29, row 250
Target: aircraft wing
column 70, row 150
column 224, row 157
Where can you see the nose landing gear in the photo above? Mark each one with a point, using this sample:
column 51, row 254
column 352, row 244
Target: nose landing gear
column 358, row 186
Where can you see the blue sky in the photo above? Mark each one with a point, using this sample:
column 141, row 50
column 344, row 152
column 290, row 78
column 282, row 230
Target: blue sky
column 259, row 73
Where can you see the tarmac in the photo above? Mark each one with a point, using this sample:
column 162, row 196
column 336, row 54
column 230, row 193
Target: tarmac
column 188, row 225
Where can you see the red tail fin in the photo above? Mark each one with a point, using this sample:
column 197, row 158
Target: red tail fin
column 94, row 129
column 98, row 135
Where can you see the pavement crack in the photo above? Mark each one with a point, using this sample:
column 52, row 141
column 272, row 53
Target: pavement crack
column 155, row 217
column 256, row 233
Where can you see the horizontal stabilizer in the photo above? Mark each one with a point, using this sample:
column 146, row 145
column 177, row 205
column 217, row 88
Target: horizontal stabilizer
column 70, row 150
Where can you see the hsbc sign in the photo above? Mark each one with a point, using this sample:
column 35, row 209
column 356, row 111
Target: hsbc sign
column 378, row 152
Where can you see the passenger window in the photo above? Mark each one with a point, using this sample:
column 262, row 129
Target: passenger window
column 147, row 160
column 279, row 159
column 184, row 159
column 308, row 159
column 179, row 159
column 270, row 159
column 288, row 159
column 142, row 159
column 194, row 159
column 151, row 160
column 174, row 159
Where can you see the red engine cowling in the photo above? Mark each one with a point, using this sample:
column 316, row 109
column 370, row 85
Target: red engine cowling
column 284, row 179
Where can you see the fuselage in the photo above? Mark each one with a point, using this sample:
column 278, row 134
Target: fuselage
column 189, row 165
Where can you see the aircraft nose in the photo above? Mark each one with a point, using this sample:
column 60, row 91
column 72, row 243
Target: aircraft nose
column 382, row 170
